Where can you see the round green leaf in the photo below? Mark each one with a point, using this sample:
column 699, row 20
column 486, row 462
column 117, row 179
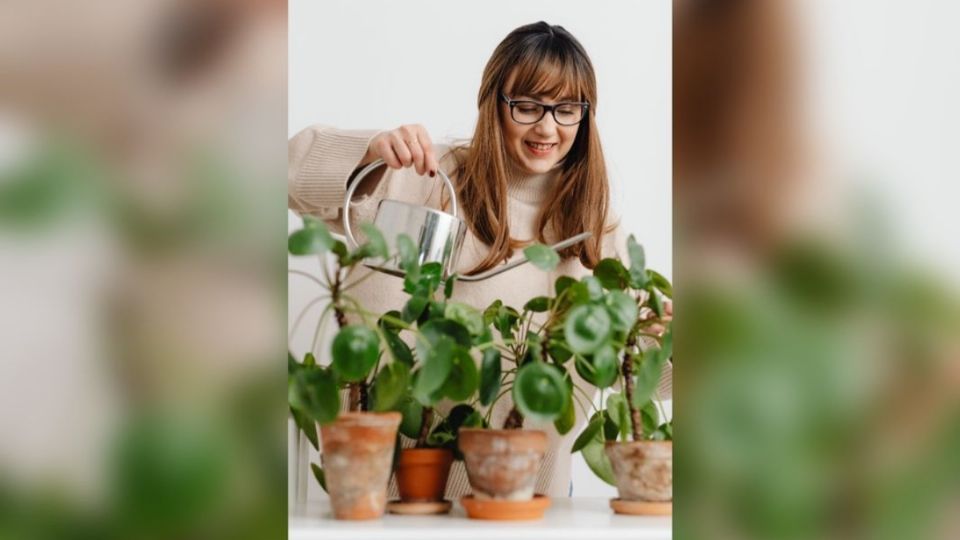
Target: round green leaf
column 542, row 257
column 587, row 328
column 564, row 423
column 375, row 245
column 414, row 308
column 592, row 431
column 600, row 369
column 408, row 252
column 467, row 315
column 612, row 274
column 623, row 310
column 412, row 417
column 355, row 351
column 540, row 392
column 313, row 391
column 596, row 458
column 400, row 350
column 437, row 364
column 463, row 378
column 538, row 304
column 312, row 239
column 638, row 274
column 390, row 385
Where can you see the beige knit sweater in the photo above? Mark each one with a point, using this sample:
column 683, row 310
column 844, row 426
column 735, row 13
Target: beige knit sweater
column 321, row 159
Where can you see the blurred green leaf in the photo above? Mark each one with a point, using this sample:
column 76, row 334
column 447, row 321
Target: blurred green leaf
column 623, row 310
column 400, row 350
column 463, row 379
column 587, row 328
column 437, row 363
column 542, row 257
column 538, row 304
column 489, row 376
column 408, row 253
column 466, row 315
column 596, row 458
column 314, row 392
column 620, row 414
column 540, row 392
column 565, row 422
column 376, row 246
column 661, row 283
column 599, row 369
column 414, row 308
column 355, row 352
column 648, row 375
column 612, row 274
column 390, row 385
column 319, row 475
column 312, row 239
column 638, row 263
column 591, row 432
column 307, row 426
column 412, row 416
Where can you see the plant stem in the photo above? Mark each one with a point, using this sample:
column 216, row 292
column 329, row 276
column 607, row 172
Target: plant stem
column 426, row 419
column 514, row 419
column 627, row 370
column 358, row 390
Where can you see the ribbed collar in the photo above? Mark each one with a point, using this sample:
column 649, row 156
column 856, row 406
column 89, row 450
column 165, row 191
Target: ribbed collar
column 530, row 188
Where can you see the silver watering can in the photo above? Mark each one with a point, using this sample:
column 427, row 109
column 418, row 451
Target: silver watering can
column 437, row 235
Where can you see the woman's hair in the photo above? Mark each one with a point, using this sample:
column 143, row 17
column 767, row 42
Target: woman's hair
column 542, row 60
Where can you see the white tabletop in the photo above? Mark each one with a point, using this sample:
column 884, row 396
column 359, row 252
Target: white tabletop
column 577, row 518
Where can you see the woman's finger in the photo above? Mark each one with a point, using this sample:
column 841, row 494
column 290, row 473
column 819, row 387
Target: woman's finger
column 385, row 152
column 416, row 153
column 401, row 149
column 429, row 157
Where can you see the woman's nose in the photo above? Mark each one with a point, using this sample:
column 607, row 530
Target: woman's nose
column 547, row 124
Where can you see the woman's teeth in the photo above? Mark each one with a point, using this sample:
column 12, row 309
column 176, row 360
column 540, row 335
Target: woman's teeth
column 540, row 147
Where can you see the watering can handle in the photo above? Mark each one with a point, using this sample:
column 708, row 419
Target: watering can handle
column 356, row 182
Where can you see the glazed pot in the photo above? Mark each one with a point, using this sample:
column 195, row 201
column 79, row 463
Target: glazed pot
column 643, row 469
column 502, row 463
column 357, row 458
column 422, row 474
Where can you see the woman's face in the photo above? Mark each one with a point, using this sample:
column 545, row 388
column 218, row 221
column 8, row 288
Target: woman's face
column 539, row 147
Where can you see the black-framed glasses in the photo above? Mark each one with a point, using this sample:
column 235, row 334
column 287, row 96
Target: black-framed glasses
column 525, row 111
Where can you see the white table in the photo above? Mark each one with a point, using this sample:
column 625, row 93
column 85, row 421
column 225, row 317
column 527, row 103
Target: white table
column 577, row 518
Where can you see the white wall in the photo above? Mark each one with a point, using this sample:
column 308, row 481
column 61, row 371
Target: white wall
column 379, row 64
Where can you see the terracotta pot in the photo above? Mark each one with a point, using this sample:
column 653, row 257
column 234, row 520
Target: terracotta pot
column 502, row 463
column 422, row 474
column 357, row 458
column 643, row 469
column 505, row 510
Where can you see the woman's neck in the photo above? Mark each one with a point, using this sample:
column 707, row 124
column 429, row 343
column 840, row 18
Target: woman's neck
column 527, row 187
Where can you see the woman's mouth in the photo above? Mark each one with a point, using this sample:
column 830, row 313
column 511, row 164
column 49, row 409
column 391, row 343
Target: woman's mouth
column 539, row 149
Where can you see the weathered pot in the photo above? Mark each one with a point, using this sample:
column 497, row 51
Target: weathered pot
column 502, row 463
column 643, row 469
column 357, row 457
column 422, row 474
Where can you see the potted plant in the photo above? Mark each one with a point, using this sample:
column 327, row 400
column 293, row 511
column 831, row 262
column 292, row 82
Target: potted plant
column 442, row 367
column 358, row 445
column 628, row 442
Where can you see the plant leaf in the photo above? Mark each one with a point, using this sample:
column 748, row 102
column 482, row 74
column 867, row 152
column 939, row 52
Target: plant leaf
column 592, row 431
column 466, row 315
column 599, row 369
column 400, row 350
column 542, row 257
column 661, row 283
column 437, row 364
column 537, row 304
column 463, row 379
column 489, row 376
column 638, row 262
column 318, row 474
column 408, row 253
column 307, row 426
column 620, row 414
column 623, row 310
column 611, row 274
column 540, row 392
column 313, row 392
column 412, row 416
column 648, row 376
column 313, row 238
column 390, row 385
column 355, row 351
column 565, row 422
column 376, row 246
column 414, row 308
column 596, row 458
column 587, row 328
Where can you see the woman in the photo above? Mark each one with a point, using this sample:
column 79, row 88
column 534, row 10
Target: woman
column 533, row 171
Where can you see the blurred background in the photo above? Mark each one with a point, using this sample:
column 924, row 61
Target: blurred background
column 817, row 339
column 142, row 269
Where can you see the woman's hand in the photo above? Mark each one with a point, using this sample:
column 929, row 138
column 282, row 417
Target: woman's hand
column 406, row 146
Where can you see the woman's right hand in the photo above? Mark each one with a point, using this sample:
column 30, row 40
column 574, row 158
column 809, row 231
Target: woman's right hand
column 405, row 146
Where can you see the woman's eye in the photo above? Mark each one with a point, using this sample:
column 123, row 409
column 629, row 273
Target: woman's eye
column 526, row 108
column 566, row 111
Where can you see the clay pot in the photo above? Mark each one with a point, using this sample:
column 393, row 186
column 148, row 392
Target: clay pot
column 357, row 457
column 422, row 474
column 502, row 463
column 643, row 469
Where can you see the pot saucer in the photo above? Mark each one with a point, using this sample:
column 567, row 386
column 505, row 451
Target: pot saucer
column 419, row 508
column 505, row 510
column 642, row 508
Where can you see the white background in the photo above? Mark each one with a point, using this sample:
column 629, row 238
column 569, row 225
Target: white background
column 376, row 64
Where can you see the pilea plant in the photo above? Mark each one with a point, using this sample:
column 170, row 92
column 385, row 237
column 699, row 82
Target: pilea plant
column 617, row 330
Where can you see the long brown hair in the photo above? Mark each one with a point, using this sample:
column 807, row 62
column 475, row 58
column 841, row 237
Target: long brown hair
column 547, row 60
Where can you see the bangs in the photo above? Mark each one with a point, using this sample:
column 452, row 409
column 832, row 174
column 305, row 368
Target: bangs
column 556, row 76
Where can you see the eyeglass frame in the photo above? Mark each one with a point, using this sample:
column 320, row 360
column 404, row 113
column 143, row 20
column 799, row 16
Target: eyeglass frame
column 511, row 103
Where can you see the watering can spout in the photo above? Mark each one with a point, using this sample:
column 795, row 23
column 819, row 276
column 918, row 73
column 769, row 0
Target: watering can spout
column 522, row 260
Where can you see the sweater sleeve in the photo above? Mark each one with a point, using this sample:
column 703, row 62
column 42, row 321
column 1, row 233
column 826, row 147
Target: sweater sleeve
column 320, row 161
